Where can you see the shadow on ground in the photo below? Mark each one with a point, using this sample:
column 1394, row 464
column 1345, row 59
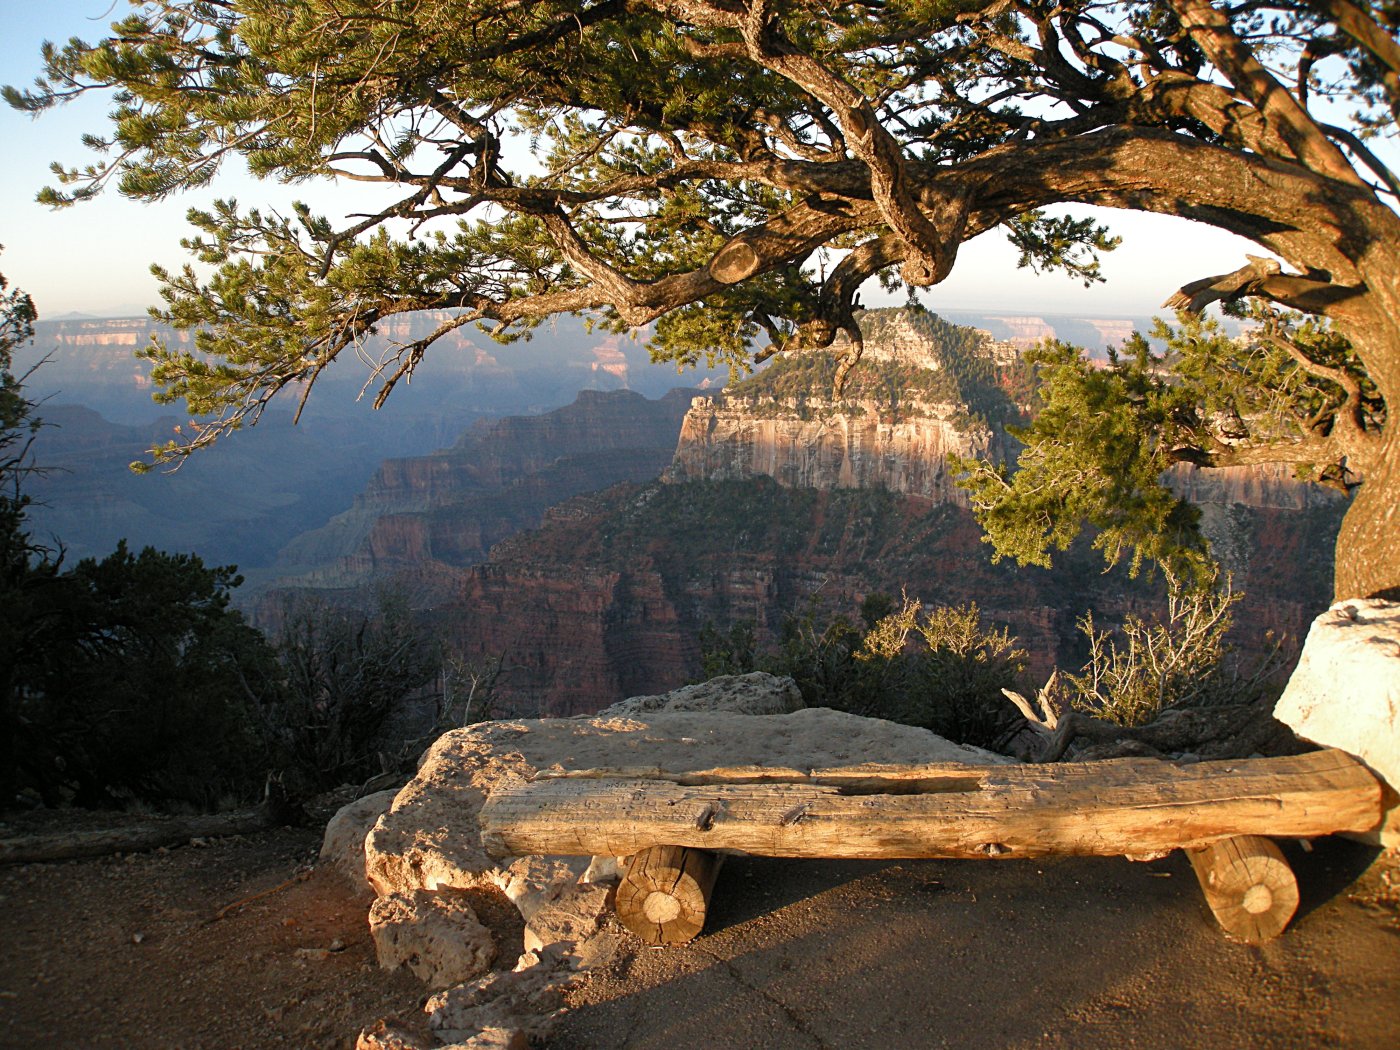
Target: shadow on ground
column 1069, row 952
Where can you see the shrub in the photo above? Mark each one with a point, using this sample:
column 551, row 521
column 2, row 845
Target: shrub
column 344, row 676
column 1143, row 668
column 940, row 669
column 132, row 683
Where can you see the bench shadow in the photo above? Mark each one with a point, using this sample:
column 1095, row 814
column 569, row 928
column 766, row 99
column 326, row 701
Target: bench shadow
column 750, row 887
column 1326, row 869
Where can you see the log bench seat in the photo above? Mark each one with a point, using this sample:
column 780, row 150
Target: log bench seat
column 675, row 827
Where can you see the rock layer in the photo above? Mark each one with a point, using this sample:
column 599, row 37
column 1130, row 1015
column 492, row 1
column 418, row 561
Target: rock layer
column 824, row 445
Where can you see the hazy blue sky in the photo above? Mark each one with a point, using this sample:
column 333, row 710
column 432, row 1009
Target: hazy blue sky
column 94, row 258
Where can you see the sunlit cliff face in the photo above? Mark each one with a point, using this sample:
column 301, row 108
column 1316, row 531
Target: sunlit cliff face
column 820, row 445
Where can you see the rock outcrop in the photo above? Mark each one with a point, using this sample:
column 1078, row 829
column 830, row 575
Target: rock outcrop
column 820, row 444
column 905, row 409
column 1345, row 691
column 755, row 693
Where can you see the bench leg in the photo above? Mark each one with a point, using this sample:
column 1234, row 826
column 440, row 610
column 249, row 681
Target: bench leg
column 1249, row 886
column 665, row 893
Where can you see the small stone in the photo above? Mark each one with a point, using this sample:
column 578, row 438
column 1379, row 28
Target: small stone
column 384, row 1036
column 337, row 945
column 137, row 937
column 289, row 922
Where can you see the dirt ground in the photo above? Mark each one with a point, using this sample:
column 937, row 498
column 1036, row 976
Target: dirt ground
column 131, row 952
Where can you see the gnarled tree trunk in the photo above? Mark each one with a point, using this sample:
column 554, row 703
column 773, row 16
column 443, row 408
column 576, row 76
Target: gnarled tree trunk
column 1368, row 545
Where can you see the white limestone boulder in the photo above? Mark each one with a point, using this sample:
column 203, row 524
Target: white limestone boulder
column 436, row 935
column 756, row 693
column 343, row 845
column 1345, row 691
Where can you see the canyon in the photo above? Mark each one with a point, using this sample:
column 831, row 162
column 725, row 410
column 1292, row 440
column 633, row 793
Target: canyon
column 422, row 517
column 776, row 501
column 251, row 494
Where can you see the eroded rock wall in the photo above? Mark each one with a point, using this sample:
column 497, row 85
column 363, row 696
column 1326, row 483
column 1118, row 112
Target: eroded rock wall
column 818, row 444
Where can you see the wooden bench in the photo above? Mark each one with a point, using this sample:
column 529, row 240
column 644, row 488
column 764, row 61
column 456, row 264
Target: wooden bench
column 673, row 825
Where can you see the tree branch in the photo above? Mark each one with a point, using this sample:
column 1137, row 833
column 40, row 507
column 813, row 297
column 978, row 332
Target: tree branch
column 1210, row 29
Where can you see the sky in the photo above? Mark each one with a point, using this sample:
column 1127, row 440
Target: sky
column 95, row 258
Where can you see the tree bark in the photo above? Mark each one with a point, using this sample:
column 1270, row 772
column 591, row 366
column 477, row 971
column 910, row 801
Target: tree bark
column 1368, row 544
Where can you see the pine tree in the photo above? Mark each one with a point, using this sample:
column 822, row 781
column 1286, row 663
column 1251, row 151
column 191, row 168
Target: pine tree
column 734, row 170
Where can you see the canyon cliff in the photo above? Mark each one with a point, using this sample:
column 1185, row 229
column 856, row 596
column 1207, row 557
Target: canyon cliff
column 823, row 444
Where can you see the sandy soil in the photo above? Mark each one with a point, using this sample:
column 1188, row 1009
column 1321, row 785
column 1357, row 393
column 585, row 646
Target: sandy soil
column 129, row 951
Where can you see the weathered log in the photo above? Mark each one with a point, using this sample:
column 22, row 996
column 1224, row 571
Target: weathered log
column 866, row 778
column 1249, row 886
column 665, row 894
column 46, row 847
column 1226, row 731
column 1129, row 807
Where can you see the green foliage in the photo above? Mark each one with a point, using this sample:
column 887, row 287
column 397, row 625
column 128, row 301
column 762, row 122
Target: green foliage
column 938, row 669
column 728, row 651
column 1060, row 242
column 733, row 175
column 131, row 681
column 645, row 176
column 1103, row 438
column 1094, row 454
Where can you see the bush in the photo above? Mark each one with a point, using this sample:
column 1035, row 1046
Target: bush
column 940, row 670
column 944, row 671
column 1143, row 668
column 344, row 676
column 134, row 681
